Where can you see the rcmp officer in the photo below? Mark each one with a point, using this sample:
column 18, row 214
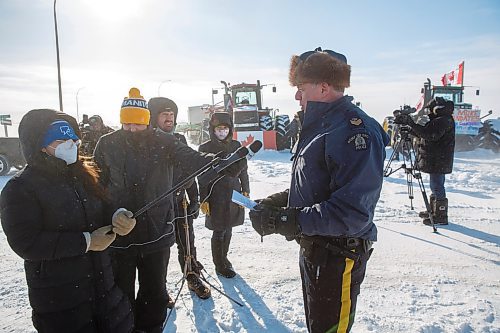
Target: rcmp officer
column 337, row 176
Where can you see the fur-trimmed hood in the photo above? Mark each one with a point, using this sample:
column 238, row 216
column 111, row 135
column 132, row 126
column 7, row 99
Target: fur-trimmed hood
column 220, row 118
column 320, row 67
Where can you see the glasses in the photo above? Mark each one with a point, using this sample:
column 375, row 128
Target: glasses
column 334, row 54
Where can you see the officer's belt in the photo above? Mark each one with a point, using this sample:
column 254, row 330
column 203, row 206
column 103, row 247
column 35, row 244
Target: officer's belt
column 337, row 246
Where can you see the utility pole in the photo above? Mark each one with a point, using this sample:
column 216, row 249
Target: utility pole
column 159, row 86
column 77, row 114
column 58, row 61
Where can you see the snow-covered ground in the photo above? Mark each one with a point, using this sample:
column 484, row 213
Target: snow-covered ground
column 417, row 280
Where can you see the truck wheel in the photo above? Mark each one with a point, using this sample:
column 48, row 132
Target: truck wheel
column 4, row 165
column 282, row 126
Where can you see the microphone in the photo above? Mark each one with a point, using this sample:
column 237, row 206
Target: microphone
column 216, row 172
column 254, row 148
column 240, row 153
column 233, row 158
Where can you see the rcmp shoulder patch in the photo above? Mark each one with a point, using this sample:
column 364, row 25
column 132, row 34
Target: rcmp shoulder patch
column 359, row 140
column 356, row 121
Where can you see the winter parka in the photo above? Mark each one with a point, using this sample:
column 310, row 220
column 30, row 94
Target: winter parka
column 436, row 143
column 137, row 168
column 45, row 211
column 224, row 213
column 337, row 170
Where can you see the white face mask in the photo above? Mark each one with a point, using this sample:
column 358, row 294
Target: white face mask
column 67, row 151
column 221, row 134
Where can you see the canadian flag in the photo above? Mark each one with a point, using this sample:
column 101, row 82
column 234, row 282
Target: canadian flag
column 455, row 77
column 420, row 103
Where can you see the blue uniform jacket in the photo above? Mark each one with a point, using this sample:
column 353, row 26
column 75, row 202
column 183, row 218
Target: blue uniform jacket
column 337, row 171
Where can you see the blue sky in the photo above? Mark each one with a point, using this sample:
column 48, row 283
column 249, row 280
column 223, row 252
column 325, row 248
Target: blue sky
column 108, row 46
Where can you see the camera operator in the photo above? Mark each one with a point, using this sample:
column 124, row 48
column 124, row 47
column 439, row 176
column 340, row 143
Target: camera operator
column 92, row 133
column 435, row 149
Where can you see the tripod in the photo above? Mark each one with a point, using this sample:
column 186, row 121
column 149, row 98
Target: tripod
column 188, row 262
column 405, row 145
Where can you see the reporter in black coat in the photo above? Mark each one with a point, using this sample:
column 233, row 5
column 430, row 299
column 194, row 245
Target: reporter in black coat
column 221, row 214
column 55, row 218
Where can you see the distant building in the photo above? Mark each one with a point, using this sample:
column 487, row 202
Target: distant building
column 197, row 113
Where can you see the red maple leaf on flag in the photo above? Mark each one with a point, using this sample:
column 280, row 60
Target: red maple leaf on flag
column 248, row 140
column 451, row 77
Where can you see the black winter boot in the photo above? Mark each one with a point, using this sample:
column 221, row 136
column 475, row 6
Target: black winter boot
column 441, row 212
column 425, row 214
column 218, row 258
column 227, row 241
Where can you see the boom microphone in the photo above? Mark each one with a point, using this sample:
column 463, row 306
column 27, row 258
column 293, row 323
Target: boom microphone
column 233, row 158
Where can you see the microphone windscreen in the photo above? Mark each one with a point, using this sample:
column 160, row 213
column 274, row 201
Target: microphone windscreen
column 255, row 146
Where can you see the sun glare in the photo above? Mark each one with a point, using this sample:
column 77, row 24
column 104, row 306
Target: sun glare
column 115, row 10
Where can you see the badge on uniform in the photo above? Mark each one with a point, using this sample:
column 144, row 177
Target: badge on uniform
column 356, row 121
column 359, row 141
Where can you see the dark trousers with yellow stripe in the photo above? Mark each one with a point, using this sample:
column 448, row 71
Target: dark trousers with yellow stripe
column 330, row 285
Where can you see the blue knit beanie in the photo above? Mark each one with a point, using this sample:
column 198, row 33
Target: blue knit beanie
column 59, row 130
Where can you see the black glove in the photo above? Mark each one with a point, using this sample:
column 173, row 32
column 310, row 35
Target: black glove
column 193, row 209
column 268, row 220
column 403, row 119
column 279, row 199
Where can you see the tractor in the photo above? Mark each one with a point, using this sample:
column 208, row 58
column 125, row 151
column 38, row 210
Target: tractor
column 250, row 119
column 467, row 118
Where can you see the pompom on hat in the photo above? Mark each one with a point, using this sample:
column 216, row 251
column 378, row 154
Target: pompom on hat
column 134, row 109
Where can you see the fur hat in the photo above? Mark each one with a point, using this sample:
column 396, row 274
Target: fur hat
column 134, row 109
column 96, row 119
column 320, row 66
column 158, row 105
column 440, row 106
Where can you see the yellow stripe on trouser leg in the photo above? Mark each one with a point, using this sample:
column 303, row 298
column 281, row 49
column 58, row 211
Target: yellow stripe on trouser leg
column 345, row 298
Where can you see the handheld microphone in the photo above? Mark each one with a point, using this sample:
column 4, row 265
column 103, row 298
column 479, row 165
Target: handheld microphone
column 254, row 148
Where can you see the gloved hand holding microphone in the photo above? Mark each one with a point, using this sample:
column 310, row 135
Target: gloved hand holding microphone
column 123, row 221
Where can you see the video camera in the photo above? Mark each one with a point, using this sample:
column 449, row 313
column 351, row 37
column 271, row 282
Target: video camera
column 84, row 125
column 402, row 118
column 404, row 110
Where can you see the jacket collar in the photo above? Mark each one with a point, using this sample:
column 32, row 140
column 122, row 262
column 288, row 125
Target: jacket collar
column 315, row 111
